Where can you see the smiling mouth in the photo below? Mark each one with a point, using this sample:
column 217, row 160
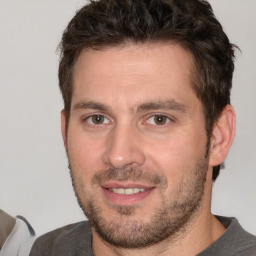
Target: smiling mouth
column 126, row 194
column 127, row 191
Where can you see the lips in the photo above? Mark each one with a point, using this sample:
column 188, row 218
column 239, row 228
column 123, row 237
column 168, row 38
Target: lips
column 126, row 194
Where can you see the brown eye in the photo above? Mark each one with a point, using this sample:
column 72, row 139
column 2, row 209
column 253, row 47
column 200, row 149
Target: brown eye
column 158, row 120
column 97, row 119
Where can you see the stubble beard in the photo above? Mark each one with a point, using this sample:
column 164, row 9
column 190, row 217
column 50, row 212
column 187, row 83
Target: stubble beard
column 169, row 220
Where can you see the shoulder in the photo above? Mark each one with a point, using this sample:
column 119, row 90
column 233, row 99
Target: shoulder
column 72, row 239
column 236, row 231
column 246, row 242
column 235, row 240
column 16, row 235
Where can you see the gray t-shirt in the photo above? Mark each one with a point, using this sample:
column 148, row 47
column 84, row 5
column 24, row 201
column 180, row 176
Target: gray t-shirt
column 235, row 241
column 75, row 240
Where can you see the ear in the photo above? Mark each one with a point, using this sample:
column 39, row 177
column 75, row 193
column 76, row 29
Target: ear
column 222, row 136
column 64, row 128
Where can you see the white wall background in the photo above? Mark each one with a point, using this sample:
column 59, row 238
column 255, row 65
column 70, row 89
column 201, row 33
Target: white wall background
column 34, row 178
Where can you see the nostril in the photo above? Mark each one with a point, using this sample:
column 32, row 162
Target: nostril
column 118, row 158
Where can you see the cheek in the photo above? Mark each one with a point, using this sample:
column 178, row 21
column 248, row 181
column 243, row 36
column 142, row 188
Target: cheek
column 175, row 156
column 84, row 154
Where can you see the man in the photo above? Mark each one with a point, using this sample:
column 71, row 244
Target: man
column 16, row 235
column 147, row 123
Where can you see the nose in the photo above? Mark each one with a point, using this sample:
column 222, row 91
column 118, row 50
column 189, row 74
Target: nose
column 124, row 148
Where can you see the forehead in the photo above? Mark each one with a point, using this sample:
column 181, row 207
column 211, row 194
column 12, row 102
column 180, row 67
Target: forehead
column 131, row 55
column 133, row 72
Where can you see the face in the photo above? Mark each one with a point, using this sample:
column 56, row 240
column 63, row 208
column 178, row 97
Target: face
column 136, row 142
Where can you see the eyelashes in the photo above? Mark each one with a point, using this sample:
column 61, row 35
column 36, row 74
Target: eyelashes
column 158, row 120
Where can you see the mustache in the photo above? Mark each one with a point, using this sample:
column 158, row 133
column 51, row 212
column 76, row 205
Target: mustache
column 128, row 174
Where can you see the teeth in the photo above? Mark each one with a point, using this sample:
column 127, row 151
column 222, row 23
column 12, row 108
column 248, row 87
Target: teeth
column 127, row 191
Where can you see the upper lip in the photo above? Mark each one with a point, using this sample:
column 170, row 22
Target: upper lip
column 117, row 184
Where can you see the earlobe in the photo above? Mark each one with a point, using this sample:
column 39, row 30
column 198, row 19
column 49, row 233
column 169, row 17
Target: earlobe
column 64, row 128
column 222, row 136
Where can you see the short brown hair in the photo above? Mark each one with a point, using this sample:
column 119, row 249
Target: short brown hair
column 190, row 23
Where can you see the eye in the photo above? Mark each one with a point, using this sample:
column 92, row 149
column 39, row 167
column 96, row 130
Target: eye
column 97, row 119
column 158, row 120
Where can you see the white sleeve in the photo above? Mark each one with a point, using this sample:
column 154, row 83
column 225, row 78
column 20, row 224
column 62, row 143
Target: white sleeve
column 20, row 240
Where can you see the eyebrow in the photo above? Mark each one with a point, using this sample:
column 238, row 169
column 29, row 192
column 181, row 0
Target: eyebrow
column 167, row 105
column 91, row 105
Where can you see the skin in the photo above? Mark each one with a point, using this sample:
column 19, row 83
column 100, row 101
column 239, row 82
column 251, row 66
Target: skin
column 117, row 95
